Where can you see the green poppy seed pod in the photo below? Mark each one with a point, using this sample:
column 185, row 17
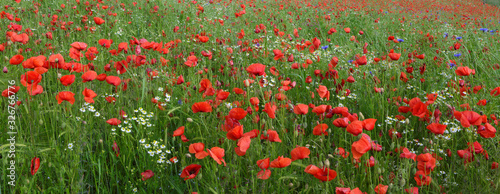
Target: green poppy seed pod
column 57, row 60
column 361, row 116
column 189, row 120
column 40, row 122
column 414, row 171
column 379, row 171
column 327, row 163
column 402, row 183
column 265, row 133
column 199, row 176
column 295, row 133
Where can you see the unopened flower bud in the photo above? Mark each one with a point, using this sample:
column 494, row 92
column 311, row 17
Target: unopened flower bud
column 189, row 120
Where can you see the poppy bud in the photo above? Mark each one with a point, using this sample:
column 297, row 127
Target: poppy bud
column 59, row 75
column 327, row 163
column 6, row 58
column 40, row 122
column 320, row 164
column 330, row 156
column 5, row 70
column 9, row 42
column 361, row 117
column 290, row 185
column 402, row 183
column 188, row 155
column 189, row 120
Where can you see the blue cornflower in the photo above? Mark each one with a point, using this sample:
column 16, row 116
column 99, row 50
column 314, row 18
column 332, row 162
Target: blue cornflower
column 459, row 38
column 350, row 61
column 324, row 47
column 483, row 29
column 445, row 35
column 458, row 55
column 179, row 102
column 400, row 40
column 451, row 65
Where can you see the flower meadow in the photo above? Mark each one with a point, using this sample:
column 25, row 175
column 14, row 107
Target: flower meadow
column 231, row 96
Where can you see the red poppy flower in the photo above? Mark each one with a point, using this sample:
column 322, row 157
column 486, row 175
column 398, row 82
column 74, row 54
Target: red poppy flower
column 105, row 42
column 369, row 124
column 361, row 146
column 203, row 39
column 394, row 56
column 347, row 30
column 422, row 179
column 301, row 109
column 495, row 91
column 486, row 131
column 256, row 69
column 179, row 131
column 243, row 145
column 278, row 54
column 113, row 80
column 190, row 171
column 98, row 20
column 355, row 128
column 197, row 149
column 79, row 46
column 16, row 59
column 222, row 95
column 217, row 154
column 341, row 122
column 272, row 136
column 30, row 78
column 65, row 96
column 465, row 71
column 323, row 92
column 235, row 133
column 468, row 118
column 89, row 95
column 264, row 174
column 147, row 175
column 324, row 174
column 281, row 162
column 201, row 107
column 436, row 128
column 299, row 153
column 320, row 129
column 426, row 163
column 89, row 76
column 67, row 80
column 361, row 60
column 10, row 91
column 204, row 85
column 270, row 110
column 35, row 164
column 237, row 113
column 114, row 121
column 381, row 189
